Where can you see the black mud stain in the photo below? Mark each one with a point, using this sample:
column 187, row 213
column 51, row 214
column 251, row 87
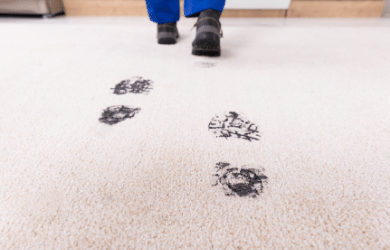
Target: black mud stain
column 204, row 64
column 136, row 85
column 115, row 114
column 241, row 181
column 234, row 125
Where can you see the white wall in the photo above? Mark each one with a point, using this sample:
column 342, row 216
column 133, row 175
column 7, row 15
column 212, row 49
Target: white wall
column 276, row 4
column 257, row 4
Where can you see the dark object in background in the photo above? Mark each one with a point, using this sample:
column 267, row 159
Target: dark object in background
column 31, row 8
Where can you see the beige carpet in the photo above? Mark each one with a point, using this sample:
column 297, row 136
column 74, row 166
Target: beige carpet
column 281, row 143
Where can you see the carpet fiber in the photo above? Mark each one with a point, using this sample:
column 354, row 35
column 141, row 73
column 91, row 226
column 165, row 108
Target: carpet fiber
column 111, row 141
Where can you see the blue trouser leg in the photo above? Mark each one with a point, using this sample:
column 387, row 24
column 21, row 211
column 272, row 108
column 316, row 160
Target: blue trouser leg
column 168, row 11
column 163, row 11
column 192, row 8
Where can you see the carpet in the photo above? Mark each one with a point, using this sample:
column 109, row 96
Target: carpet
column 111, row 141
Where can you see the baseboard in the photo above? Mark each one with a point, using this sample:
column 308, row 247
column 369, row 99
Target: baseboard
column 301, row 8
column 343, row 8
column 253, row 13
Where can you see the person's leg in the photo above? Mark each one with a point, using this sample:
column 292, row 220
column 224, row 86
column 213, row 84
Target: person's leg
column 163, row 11
column 208, row 27
column 192, row 8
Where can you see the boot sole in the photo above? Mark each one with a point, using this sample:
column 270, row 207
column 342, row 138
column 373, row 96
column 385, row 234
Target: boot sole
column 167, row 41
column 167, row 37
column 206, row 44
column 206, row 52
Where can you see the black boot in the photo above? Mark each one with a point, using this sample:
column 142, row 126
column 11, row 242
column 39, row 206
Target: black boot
column 208, row 34
column 167, row 33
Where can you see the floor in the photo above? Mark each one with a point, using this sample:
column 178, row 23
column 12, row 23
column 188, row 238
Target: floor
column 313, row 94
